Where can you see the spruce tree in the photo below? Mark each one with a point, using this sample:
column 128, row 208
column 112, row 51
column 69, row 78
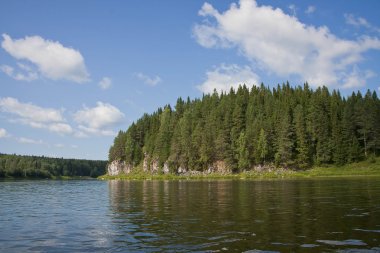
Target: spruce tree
column 302, row 143
column 261, row 148
column 285, row 145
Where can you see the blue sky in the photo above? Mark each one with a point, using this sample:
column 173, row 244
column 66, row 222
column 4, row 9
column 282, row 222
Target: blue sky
column 72, row 73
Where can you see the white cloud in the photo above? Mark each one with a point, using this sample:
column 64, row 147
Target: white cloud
column 3, row 133
column 357, row 78
column 30, row 111
column 359, row 22
column 99, row 119
column 310, row 9
column 28, row 75
column 281, row 44
column 53, row 60
column 97, row 131
column 35, row 116
column 293, row 8
column 29, row 141
column 105, row 83
column 151, row 81
column 225, row 77
column 61, row 128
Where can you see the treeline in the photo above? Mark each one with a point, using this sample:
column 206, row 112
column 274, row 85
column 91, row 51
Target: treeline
column 292, row 127
column 44, row 167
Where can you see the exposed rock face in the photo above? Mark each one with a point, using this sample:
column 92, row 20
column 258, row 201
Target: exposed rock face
column 118, row 167
column 154, row 167
column 146, row 163
column 218, row 167
column 166, row 170
column 181, row 170
column 266, row 167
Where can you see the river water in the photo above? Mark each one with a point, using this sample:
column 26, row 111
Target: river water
column 316, row 215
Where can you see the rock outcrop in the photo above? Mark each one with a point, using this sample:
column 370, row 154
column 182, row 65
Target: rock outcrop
column 219, row 167
column 166, row 169
column 118, row 167
column 152, row 166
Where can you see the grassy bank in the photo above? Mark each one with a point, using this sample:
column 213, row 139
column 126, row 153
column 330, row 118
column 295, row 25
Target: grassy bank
column 366, row 168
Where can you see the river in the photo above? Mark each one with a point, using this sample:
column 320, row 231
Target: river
column 315, row 215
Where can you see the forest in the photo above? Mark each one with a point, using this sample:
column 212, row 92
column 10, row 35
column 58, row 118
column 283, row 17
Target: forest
column 289, row 127
column 17, row 166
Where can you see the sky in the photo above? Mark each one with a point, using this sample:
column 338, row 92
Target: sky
column 74, row 73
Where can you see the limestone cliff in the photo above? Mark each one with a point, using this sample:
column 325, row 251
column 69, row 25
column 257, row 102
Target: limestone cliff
column 118, row 167
column 152, row 166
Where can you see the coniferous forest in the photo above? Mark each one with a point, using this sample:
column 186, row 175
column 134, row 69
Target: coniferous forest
column 289, row 127
column 18, row 166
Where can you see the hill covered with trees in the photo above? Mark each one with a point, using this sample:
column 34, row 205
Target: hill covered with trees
column 44, row 167
column 290, row 127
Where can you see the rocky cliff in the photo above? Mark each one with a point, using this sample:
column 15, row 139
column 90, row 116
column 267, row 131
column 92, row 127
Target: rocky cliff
column 118, row 167
column 152, row 166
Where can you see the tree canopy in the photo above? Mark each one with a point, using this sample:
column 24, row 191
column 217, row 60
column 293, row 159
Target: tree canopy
column 292, row 127
column 46, row 167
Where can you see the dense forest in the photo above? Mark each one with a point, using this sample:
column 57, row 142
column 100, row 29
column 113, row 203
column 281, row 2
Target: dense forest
column 289, row 127
column 44, row 167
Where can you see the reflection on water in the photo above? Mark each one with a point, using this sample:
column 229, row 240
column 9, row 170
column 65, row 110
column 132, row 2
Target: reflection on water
column 338, row 215
column 54, row 216
column 309, row 216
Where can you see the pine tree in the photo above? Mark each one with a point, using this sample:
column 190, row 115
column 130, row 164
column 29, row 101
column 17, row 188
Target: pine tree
column 243, row 155
column 339, row 152
column 302, row 143
column 162, row 145
column 285, row 145
column 262, row 147
column 320, row 113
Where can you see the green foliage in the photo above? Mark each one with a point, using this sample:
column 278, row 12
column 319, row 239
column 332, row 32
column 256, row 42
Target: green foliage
column 243, row 155
column 262, row 147
column 292, row 127
column 45, row 167
column 285, row 146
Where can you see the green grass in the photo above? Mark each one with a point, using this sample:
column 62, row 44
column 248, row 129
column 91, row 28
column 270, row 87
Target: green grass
column 370, row 167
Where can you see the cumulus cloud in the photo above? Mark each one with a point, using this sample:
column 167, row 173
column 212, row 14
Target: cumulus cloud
column 52, row 59
column 281, row 44
column 105, row 83
column 151, row 81
column 310, row 9
column 99, row 119
column 3, row 133
column 35, row 116
column 225, row 77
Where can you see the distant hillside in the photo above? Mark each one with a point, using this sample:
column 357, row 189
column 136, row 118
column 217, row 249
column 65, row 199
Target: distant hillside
column 284, row 126
column 44, row 167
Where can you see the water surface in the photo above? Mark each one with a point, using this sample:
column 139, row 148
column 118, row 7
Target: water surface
column 321, row 215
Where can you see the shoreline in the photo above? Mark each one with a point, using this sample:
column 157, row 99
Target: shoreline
column 360, row 169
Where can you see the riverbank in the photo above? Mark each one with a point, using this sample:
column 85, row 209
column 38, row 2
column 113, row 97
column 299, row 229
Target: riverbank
column 366, row 168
